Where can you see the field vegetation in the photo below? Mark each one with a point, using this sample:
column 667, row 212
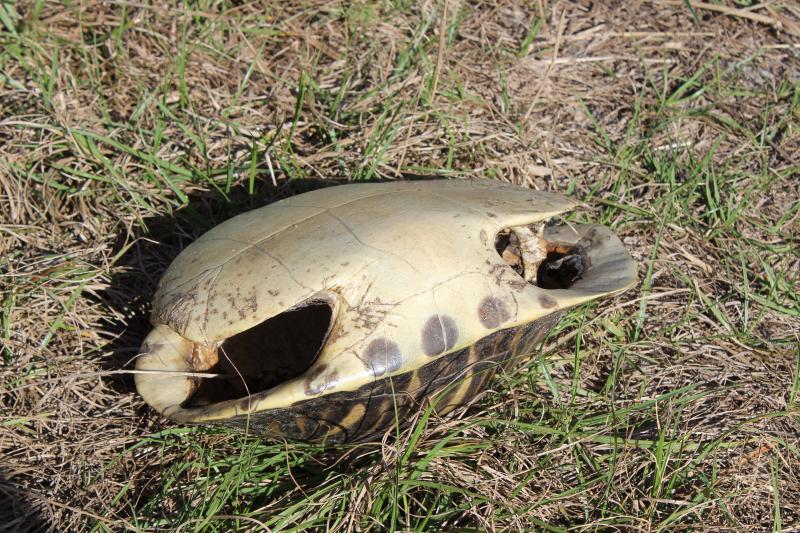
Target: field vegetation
column 128, row 129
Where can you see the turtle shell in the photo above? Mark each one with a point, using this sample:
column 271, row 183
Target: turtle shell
column 336, row 314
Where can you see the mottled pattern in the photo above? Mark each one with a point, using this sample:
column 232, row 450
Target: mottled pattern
column 371, row 410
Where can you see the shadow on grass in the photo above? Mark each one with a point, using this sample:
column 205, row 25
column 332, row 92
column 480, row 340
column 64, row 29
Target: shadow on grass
column 19, row 512
column 224, row 474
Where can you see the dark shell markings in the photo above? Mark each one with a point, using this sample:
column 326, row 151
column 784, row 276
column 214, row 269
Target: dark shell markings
column 382, row 356
column 492, row 312
column 439, row 334
column 335, row 315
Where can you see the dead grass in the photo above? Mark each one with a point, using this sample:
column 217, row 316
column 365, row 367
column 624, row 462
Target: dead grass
column 128, row 130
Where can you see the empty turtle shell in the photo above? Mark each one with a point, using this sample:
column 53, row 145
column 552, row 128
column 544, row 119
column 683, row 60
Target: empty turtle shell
column 337, row 314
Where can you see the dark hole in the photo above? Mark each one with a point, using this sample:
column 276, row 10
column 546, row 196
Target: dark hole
column 501, row 241
column 560, row 270
column 266, row 355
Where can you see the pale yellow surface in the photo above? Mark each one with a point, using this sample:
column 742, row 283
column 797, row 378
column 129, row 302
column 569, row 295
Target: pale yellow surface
column 391, row 255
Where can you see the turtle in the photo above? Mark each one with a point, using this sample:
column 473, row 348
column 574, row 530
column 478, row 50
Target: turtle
column 337, row 314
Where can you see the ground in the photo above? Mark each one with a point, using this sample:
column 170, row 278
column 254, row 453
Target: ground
column 126, row 130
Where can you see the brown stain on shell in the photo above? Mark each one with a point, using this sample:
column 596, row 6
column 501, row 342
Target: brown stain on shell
column 203, row 357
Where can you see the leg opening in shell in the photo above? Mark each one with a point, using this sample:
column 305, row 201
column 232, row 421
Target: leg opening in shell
column 255, row 360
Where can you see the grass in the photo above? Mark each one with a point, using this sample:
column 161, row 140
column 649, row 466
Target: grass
column 128, row 130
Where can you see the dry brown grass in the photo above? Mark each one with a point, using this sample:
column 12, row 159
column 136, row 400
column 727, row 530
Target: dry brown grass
column 128, row 130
